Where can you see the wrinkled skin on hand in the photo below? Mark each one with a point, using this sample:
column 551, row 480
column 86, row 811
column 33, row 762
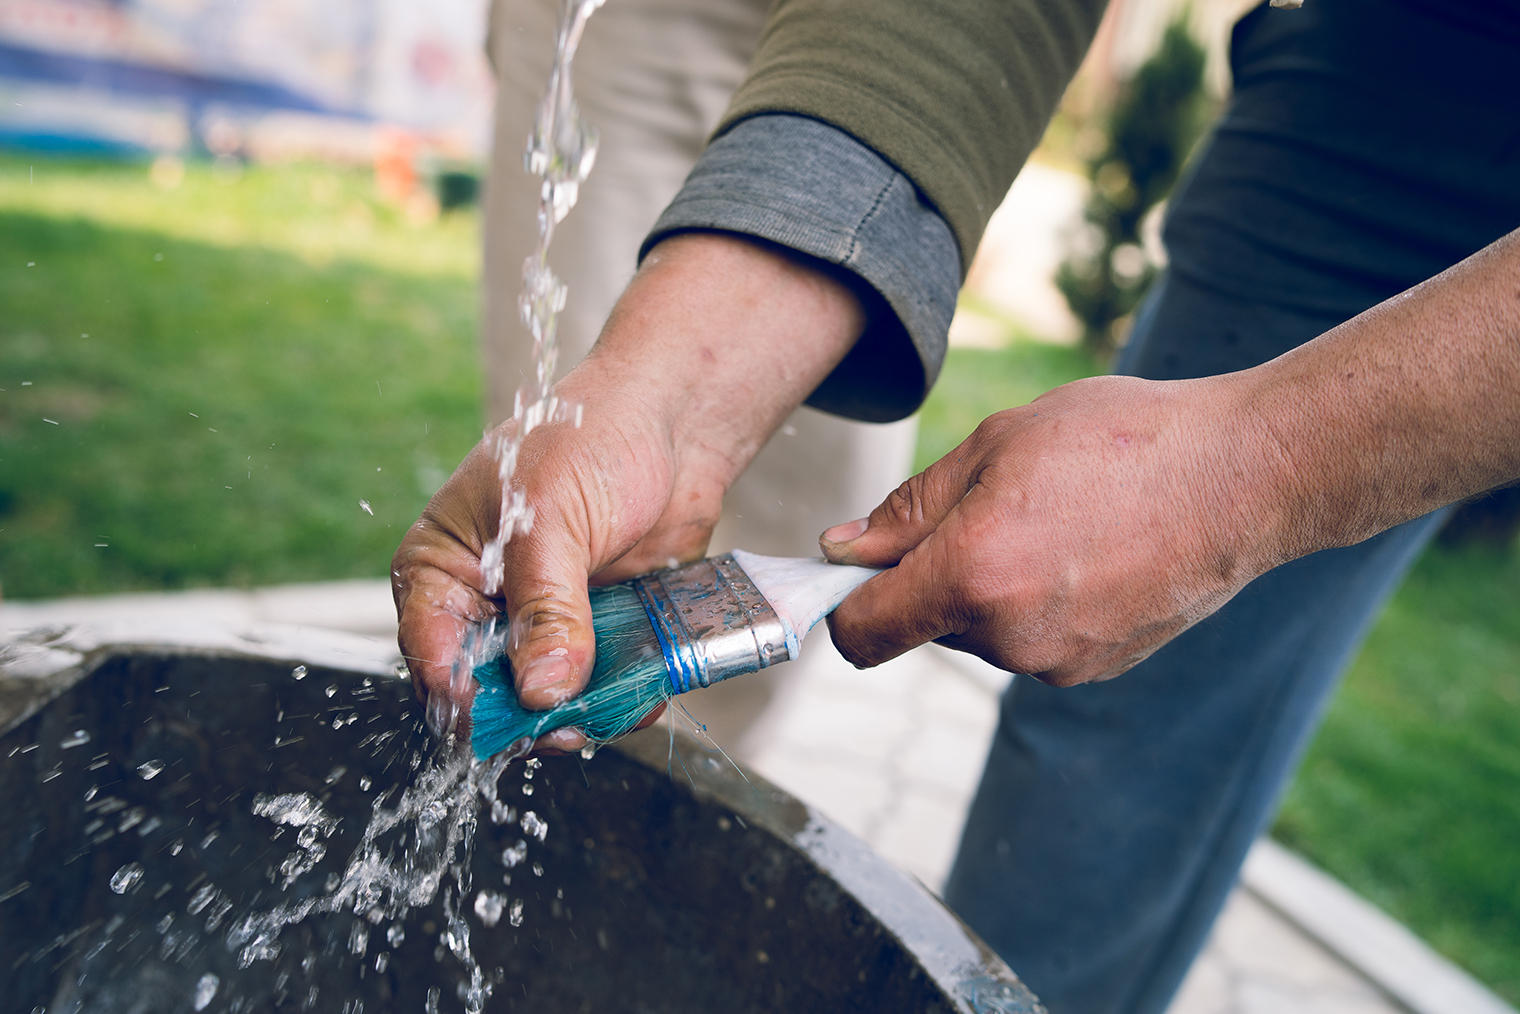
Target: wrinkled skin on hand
column 611, row 505
column 1067, row 539
column 673, row 413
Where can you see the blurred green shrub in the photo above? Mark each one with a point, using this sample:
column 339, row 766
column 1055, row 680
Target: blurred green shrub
column 1156, row 118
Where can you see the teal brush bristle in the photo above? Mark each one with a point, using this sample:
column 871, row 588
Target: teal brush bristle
column 628, row 681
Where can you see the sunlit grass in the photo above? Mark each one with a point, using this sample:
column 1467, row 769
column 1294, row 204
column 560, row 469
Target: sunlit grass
column 314, row 212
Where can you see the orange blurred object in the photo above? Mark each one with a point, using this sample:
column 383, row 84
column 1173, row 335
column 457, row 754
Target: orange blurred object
column 396, row 153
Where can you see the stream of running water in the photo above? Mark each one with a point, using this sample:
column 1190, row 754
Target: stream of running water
column 561, row 151
column 437, row 814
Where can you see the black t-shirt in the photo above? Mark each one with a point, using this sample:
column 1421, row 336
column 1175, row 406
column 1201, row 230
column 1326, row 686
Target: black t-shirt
column 1369, row 145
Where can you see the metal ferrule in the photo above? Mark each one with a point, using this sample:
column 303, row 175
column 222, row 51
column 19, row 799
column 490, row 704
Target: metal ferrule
column 711, row 622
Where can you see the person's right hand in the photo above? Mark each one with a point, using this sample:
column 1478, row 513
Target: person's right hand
column 715, row 342
column 1072, row 537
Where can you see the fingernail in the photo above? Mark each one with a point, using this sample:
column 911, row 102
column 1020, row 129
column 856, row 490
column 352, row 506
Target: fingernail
column 847, row 532
column 547, row 674
column 568, row 740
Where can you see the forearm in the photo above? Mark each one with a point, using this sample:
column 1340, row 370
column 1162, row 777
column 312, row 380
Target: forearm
column 1403, row 409
column 717, row 339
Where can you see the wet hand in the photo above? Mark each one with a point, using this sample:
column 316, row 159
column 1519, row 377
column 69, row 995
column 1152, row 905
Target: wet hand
column 714, row 343
column 603, row 498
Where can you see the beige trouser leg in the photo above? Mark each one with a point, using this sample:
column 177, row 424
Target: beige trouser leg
column 654, row 76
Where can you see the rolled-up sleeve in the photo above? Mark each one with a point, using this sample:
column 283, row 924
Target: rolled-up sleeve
column 808, row 186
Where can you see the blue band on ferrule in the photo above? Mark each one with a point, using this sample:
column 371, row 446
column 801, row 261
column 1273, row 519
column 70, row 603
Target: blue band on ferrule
column 675, row 661
column 711, row 622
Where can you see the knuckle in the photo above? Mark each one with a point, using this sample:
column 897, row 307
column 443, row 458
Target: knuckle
column 908, row 504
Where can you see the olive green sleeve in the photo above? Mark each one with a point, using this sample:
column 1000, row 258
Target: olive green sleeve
column 954, row 93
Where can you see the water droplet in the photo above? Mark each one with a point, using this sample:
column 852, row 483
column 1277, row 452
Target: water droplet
column 382, row 960
column 358, row 938
column 588, row 751
column 396, row 934
column 201, row 899
column 510, row 857
column 538, row 870
column 205, row 990
column 489, row 905
column 126, row 878
column 515, row 916
column 401, row 672
column 365, row 783
column 330, row 691
column 177, row 847
column 150, row 770
column 76, row 738
column 298, row 673
column 365, row 504
column 534, row 825
column 432, row 1000
column 336, row 774
column 527, row 790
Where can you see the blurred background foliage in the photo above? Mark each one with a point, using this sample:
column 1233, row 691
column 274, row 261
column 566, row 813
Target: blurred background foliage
column 1156, row 117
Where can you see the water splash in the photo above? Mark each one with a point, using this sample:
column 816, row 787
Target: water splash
column 514, row 854
column 560, row 152
column 205, row 990
column 433, row 821
column 126, row 878
column 489, row 906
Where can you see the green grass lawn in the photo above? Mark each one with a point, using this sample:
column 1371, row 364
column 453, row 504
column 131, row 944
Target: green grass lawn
column 1411, row 791
column 218, row 414
column 198, row 387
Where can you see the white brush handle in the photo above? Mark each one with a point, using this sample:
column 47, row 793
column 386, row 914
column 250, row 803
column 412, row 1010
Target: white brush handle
column 802, row 590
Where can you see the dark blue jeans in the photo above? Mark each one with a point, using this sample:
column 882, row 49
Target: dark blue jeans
column 1112, row 818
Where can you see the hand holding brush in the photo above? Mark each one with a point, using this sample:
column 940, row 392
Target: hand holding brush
column 667, row 633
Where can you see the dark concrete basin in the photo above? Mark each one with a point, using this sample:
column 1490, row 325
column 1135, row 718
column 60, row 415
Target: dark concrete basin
column 667, row 885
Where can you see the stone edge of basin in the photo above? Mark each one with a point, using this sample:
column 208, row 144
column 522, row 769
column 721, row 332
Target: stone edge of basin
column 948, row 950
column 38, row 665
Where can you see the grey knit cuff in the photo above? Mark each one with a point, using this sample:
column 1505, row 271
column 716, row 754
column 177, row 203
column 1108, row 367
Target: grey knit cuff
column 808, row 186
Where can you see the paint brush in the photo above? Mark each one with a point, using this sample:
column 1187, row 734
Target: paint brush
column 669, row 632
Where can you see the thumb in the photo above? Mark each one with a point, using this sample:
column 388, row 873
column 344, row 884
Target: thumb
column 908, row 515
column 917, row 601
column 550, row 641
